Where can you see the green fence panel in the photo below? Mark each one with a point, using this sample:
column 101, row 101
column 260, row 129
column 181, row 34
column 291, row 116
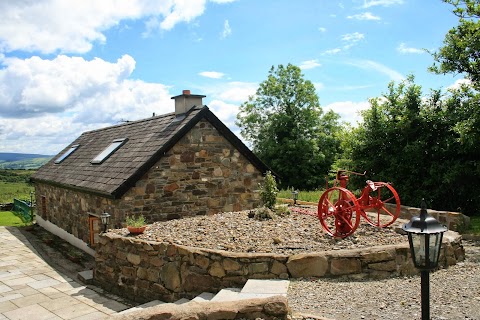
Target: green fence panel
column 24, row 209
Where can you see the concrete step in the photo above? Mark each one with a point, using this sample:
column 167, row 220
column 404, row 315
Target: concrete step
column 203, row 297
column 143, row 306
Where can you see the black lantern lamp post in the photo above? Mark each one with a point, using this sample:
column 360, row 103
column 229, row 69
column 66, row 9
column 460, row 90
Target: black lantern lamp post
column 104, row 217
column 425, row 235
column 295, row 196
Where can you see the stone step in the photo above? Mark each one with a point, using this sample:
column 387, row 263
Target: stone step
column 203, row 297
column 85, row 276
column 254, row 288
column 227, row 294
column 143, row 306
column 181, row 301
column 262, row 288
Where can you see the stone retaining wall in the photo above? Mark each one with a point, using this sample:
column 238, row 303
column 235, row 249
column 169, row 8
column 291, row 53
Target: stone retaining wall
column 146, row 270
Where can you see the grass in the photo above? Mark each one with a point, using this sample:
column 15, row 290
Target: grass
column 310, row 196
column 474, row 225
column 9, row 218
column 10, row 190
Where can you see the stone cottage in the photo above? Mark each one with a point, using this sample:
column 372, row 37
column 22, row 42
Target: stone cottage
column 171, row 166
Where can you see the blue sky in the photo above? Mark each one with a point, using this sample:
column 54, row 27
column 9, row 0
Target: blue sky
column 71, row 66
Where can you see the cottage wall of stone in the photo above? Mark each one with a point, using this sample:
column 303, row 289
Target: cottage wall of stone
column 202, row 174
column 69, row 209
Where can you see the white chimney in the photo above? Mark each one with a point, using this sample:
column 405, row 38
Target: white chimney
column 186, row 101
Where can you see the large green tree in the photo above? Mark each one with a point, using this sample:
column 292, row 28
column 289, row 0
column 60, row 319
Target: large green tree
column 412, row 140
column 460, row 52
column 287, row 129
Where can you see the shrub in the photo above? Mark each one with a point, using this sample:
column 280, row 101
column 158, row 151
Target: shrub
column 268, row 192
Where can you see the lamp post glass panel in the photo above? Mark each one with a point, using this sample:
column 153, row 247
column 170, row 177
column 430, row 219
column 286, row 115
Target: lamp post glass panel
column 104, row 217
column 425, row 236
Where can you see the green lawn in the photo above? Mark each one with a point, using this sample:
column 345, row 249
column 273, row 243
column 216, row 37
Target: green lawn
column 8, row 218
column 310, row 196
column 474, row 225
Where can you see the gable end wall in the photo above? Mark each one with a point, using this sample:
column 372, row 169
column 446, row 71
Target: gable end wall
column 202, row 174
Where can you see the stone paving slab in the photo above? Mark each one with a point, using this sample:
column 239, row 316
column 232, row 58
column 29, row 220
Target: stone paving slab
column 31, row 289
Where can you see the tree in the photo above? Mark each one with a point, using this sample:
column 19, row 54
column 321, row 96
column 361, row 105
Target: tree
column 413, row 141
column 461, row 47
column 286, row 127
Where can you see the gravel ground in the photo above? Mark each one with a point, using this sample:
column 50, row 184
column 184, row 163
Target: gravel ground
column 454, row 294
column 236, row 232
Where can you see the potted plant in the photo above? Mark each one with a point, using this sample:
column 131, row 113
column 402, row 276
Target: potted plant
column 135, row 225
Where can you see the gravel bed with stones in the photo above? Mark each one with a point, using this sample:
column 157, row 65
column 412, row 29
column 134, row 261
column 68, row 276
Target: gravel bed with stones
column 454, row 294
column 236, row 232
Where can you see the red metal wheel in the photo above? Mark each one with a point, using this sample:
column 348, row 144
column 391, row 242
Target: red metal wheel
column 384, row 205
column 339, row 212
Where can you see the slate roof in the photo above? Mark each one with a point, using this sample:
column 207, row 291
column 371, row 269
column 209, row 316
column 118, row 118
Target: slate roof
column 148, row 140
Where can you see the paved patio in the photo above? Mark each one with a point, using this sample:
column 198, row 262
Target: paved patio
column 31, row 289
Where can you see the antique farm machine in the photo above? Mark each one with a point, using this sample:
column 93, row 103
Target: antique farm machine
column 339, row 210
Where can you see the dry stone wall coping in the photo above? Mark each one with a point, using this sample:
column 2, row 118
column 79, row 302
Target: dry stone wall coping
column 275, row 307
column 146, row 270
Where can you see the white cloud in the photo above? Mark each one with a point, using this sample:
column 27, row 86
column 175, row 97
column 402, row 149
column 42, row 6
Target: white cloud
column 364, row 16
column 50, row 102
column 459, row 83
column 383, row 3
column 309, row 64
column 227, row 31
column 49, row 26
column 35, row 86
column 349, row 111
column 332, row 51
column 402, row 48
column 318, row 86
column 322, row 29
column 212, row 74
column 372, row 65
column 225, row 111
column 353, row 37
column 236, row 91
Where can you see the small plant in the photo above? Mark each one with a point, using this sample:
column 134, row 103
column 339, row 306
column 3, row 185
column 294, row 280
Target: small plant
column 282, row 210
column 263, row 213
column 136, row 222
column 269, row 190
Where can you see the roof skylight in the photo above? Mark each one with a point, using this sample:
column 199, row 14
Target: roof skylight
column 66, row 154
column 102, row 156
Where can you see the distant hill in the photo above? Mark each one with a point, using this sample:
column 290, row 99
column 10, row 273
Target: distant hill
column 22, row 160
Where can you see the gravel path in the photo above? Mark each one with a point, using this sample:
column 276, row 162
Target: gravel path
column 454, row 294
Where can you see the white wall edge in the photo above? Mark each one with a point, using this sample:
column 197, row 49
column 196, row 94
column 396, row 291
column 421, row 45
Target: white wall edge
column 70, row 238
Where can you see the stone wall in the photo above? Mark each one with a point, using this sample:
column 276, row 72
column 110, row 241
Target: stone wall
column 145, row 271
column 271, row 308
column 68, row 209
column 454, row 221
column 202, row 174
